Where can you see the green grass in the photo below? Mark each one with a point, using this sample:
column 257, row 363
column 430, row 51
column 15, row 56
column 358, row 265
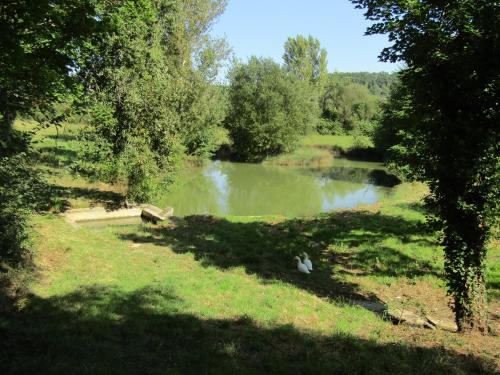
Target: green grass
column 221, row 295
column 303, row 156
column 344, row 142
column 320, row 150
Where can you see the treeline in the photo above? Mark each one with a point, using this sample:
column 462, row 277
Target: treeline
column 272, row 105
column 378, row 83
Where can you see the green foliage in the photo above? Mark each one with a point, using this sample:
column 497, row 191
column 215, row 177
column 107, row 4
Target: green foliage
column 305, row 59
column 269, row 110
column 392, row 138
column 96, row 159
column 141, row 82
column 379, row 84
column 450, row 137
column 138, row 167
column 325, row 126
column 39, row 44
column 348, row 107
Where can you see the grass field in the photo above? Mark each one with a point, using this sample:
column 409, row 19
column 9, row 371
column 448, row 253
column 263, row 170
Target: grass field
column 221, row 295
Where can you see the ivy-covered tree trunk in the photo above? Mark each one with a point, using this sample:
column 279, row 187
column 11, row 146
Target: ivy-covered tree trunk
column 464, row 240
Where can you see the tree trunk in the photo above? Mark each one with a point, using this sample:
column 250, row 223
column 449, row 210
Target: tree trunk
column 465, row 253
column 470, row 306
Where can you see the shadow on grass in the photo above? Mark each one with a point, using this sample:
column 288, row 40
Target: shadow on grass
column 63, row 137
column 97, row 330
column 335, row 242
column 60, row 196
column 110, row 200
column 56, row 157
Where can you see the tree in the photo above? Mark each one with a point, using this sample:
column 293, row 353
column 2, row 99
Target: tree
column 379, row 83
column 269, row 110
column 305, row 58
column 145, row 93
column 451, row 79
column 198, row 58
column 39, row 44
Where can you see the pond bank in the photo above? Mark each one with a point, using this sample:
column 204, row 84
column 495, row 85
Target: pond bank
column 320, row 150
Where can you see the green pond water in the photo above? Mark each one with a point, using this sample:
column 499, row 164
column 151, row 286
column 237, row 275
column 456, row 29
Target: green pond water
column 225, row 188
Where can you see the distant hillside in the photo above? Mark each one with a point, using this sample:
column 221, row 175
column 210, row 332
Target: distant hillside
column 378, row 83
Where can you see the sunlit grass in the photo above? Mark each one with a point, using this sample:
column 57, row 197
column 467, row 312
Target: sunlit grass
column 320, row 150
column 344, row 142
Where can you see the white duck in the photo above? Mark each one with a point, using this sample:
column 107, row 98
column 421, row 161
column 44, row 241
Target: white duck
column 301, row 266
column 307, row 262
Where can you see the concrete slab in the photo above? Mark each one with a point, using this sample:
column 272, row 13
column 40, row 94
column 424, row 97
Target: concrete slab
column 155, row 213
column 99, row 213
column 148, row 211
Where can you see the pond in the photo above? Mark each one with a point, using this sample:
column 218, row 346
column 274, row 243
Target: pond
column 226, row 188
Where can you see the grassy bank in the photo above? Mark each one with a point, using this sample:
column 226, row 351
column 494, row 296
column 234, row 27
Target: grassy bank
column 320, row 150
column 222, row 295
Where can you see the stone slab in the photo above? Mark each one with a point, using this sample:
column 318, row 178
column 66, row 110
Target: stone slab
column 156, row 214
column 99, row 213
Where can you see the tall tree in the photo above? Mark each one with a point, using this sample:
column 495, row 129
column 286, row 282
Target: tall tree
column 305, row 58
column 451, row 80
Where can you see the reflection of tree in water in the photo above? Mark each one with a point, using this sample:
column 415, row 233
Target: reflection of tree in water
column 343, row 194
column 197, row 193
column 253, row 189
column 257, row 189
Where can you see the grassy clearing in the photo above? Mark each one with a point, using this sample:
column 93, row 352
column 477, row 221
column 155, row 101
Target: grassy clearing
column 221, row 295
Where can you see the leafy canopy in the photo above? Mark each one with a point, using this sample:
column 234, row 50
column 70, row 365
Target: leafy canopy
column 305, row 58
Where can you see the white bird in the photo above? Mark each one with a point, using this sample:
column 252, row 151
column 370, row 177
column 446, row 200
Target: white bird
column 301, row 266
column 307, row 262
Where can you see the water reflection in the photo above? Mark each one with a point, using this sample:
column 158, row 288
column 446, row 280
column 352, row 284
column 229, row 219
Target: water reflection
column 224, row 188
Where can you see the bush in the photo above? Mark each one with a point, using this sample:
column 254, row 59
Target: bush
column 269, row 110
column 349, row 106
column 137, row 166
column 326, row 127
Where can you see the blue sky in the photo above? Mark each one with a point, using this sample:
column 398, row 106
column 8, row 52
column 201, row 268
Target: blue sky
column 261, row 27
